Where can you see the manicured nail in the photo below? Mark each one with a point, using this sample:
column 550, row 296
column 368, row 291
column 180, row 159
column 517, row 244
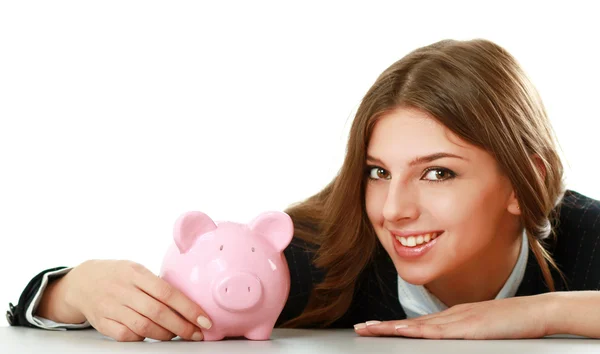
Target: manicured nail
column 400, row 326
column 197, row 336
column 204, row 322
column 370, row 323
column 360, row 326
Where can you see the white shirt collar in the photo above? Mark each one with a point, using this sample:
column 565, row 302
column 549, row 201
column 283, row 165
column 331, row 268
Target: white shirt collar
column 417, row 301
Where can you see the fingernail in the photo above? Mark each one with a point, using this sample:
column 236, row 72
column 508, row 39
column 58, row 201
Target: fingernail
column 197, row 336
column 360, row 326
column 370, row 323
column 204, row 322
column 400, row 326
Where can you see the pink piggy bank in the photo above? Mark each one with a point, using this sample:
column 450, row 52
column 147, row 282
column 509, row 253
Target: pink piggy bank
column 236, row 272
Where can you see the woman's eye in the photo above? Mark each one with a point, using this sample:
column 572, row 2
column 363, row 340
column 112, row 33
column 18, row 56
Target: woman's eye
column 438, row 175
column 378, row 173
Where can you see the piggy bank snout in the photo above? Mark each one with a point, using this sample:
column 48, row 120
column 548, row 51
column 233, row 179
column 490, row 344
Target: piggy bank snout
column 238, row 292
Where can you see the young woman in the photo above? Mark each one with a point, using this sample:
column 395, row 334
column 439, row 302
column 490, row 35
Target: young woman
column 448, row 219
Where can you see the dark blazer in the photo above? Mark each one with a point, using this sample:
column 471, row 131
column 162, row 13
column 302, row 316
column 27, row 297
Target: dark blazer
column 576, row 252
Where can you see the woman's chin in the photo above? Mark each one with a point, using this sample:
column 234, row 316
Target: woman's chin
column 415, row 275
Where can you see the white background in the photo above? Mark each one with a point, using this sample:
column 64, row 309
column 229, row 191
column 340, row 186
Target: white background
column 117, row 116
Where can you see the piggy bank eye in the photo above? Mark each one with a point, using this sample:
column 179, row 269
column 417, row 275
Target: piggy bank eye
column 221, row 248
column 252, row 249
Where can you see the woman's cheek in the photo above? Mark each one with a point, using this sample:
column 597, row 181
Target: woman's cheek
column 374, row 205
column 447, row 209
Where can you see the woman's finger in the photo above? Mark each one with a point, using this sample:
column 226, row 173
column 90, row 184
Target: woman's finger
column 462, row 308
column 172, row 297
column 116, row 331
column 140, row 325
column 448, row 330
column 388, row 328
column 162, row 315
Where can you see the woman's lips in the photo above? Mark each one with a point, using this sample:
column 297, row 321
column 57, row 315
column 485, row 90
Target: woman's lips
column 415, row 251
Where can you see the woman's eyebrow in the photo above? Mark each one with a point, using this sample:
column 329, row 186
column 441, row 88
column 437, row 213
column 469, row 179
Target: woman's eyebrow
column 429, row 158
column 422, row 159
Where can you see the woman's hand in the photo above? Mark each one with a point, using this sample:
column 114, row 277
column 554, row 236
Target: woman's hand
column 517, row 317
column 127, row 302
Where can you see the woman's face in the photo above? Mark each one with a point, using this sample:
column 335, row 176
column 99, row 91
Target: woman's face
column 440, row 207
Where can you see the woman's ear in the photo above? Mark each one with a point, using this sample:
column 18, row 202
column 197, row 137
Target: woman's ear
column 513, row 204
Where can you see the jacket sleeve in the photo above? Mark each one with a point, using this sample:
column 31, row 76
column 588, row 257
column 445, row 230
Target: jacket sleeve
column 24, row 313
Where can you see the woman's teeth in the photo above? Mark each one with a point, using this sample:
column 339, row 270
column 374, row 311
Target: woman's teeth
column 412, row 241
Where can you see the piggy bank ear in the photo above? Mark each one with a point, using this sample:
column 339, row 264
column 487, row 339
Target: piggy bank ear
column 189, row 227
column 275, row 226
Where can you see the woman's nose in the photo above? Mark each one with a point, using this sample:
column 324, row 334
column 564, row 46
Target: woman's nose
column 400, row 203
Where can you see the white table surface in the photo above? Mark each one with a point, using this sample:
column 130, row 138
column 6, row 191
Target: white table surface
column 29, row 340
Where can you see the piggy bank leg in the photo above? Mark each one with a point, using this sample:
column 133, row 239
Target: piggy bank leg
column 260, row 333
column 210, row 336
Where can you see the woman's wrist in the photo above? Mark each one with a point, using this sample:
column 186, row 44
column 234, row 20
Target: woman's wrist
column 56, row 303
column 560, row 310
column 549, row 306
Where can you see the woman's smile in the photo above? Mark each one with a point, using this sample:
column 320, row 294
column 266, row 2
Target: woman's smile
column 415, row 246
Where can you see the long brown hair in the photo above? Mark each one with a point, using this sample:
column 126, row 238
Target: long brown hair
column 477, row 90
